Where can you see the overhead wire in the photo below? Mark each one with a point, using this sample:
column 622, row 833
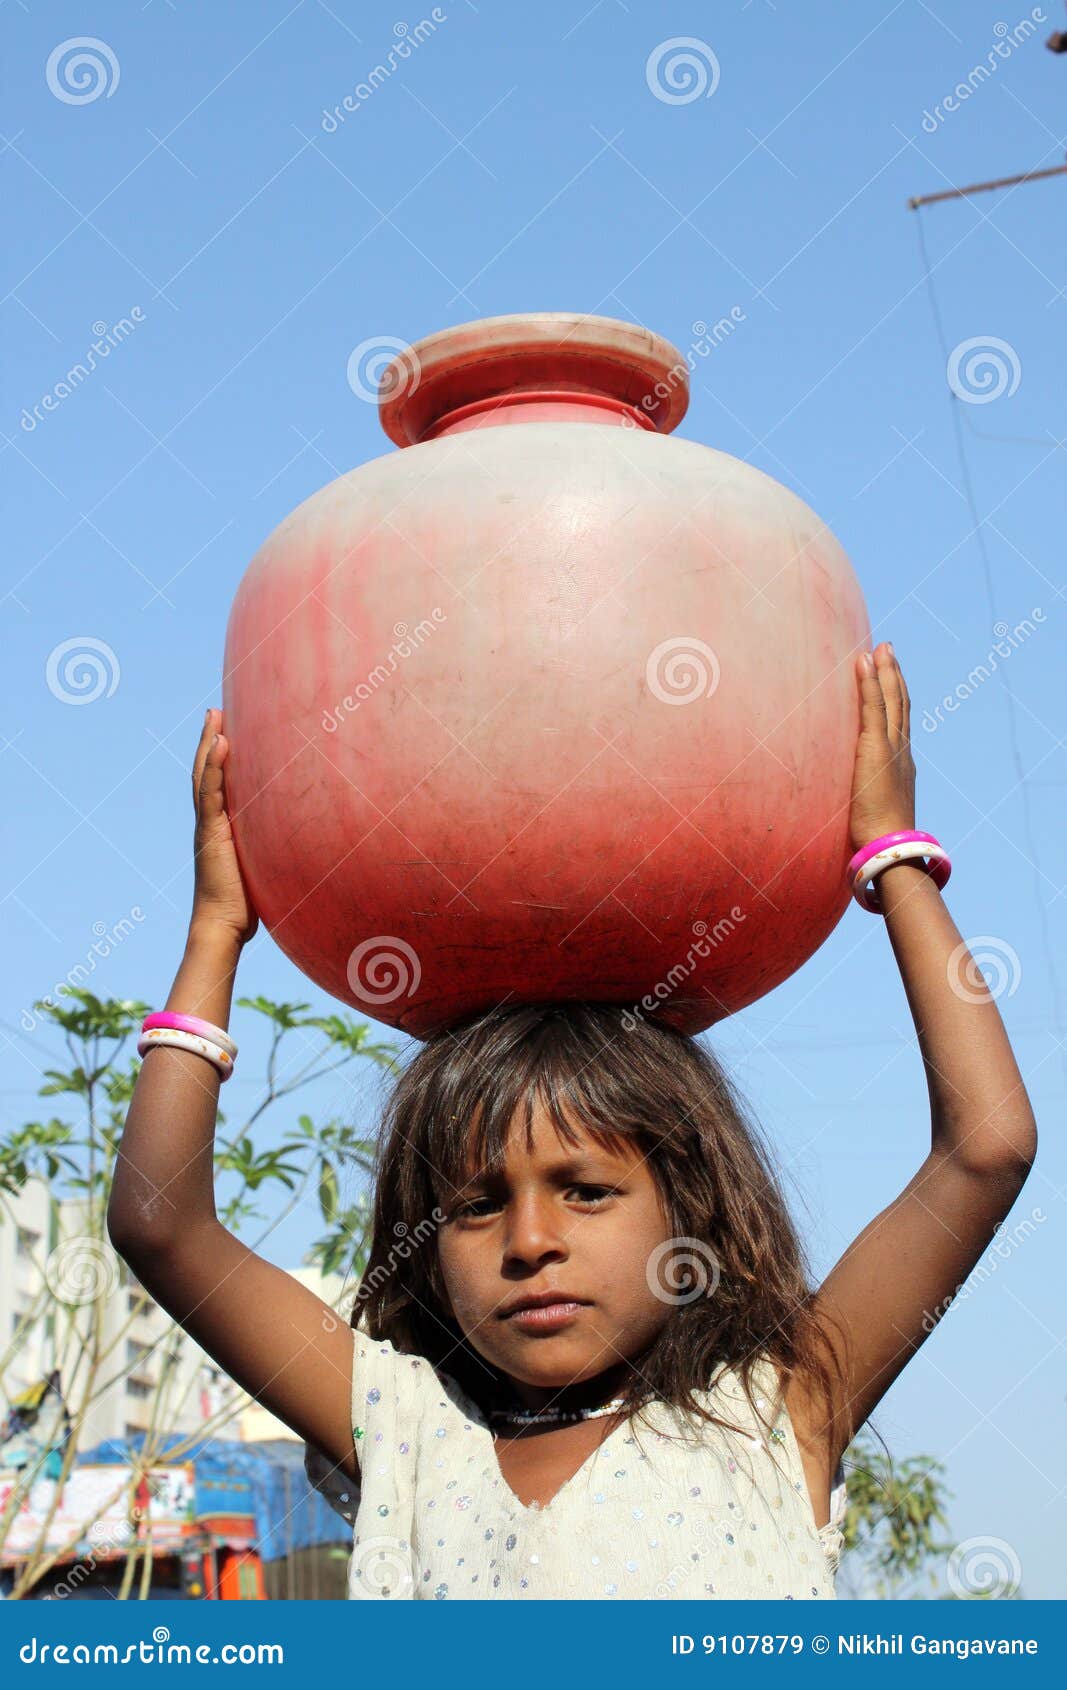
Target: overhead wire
column 978, row 528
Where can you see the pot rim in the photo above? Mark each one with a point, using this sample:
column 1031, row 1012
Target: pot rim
column 556, row 351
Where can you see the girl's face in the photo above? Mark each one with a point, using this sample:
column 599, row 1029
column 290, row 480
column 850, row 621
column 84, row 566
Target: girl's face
column 571, row 1226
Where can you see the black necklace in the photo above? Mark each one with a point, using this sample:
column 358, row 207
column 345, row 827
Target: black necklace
column 554, row 1416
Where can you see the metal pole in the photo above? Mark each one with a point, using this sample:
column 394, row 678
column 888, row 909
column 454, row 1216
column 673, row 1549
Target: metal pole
column 983, row 187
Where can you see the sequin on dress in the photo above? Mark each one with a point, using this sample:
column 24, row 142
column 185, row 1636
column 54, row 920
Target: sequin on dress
column 721, row 1514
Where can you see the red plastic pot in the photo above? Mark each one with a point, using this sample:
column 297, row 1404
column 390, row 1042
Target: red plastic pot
column 548, row 704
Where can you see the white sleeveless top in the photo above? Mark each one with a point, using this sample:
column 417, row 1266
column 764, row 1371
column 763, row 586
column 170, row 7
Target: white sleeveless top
column 722, row 1514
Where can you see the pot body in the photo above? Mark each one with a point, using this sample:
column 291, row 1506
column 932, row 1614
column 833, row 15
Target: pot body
column 547, row 706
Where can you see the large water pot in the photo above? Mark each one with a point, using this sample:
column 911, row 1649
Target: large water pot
column 547, row 704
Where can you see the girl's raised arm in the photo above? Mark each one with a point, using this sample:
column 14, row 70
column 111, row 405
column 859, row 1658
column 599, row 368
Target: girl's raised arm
column 895, row 1280
column 272, row 1335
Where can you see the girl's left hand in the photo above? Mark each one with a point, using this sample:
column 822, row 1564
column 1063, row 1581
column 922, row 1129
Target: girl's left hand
column 883, row 783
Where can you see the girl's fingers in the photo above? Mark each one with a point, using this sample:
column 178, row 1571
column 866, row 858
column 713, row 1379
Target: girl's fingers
column 891, row 682
column 212, row 822
column 200, row 755
column 905, row 698
column 884, row 696
column 872, row 697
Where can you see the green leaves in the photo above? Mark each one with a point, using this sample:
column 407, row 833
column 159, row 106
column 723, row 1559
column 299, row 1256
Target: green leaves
column 34, row 1148
column 328, row 1194
column 345, row 1248
column 328, row 1156
column 341, row 1032
column 338, row 1139
column 254, row 1167
column 895, row 1519
column 284, row 1015
column 346, row 1034
column 83, row 1015
column 76, row 1080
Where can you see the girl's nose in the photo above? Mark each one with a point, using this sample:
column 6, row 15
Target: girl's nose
column 534, row 1231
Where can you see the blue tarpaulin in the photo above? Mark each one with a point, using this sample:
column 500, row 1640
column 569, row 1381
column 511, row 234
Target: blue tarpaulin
column 265, row 1480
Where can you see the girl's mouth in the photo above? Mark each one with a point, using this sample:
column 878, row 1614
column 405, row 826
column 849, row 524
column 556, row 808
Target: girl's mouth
column 545, row 1317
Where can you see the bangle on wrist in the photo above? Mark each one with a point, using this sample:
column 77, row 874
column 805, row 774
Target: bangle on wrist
column 909, row 846
column 189, row 1032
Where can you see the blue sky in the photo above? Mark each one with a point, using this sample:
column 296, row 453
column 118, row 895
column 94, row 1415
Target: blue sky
column 522, row 159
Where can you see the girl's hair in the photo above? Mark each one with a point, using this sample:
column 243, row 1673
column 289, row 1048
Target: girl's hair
column 618, row 1078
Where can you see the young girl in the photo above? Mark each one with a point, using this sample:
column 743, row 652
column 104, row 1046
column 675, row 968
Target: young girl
column 585, row 1359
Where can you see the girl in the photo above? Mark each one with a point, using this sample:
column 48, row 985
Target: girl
column 585, row 1358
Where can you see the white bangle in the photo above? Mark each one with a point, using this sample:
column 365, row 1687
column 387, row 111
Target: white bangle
column 180, row 1040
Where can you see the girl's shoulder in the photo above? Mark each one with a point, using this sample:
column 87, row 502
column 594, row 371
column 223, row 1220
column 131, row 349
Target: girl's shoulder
column 742, row 1405
column 764, row 1416
column 376, row 1362
column 727, row 1386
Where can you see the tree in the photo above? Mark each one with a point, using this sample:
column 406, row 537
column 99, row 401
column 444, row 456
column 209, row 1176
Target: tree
column 894, row 1542
column 77, row 1275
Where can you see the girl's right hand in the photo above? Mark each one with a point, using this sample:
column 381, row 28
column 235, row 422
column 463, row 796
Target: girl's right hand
column 220, row 897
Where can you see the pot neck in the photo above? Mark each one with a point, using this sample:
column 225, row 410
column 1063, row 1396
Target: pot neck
column 537, row 405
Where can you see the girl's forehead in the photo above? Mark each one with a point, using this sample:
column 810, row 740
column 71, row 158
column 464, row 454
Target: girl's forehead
column 547, row 1147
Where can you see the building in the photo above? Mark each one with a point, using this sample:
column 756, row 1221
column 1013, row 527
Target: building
column 151, row 1374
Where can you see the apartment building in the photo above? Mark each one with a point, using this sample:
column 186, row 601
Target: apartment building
column 151, row 1372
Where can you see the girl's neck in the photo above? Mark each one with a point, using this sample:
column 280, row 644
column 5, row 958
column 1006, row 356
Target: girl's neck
column 586, row 1393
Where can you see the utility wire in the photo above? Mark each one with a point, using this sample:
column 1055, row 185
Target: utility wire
column 987, row 575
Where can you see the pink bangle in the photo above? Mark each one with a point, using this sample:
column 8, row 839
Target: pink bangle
column 922, row 848
column 190, row 1024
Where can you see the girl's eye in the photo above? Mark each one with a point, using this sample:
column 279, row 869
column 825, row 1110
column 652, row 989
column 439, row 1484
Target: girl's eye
column 477, row 1206
column 481, row 1205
